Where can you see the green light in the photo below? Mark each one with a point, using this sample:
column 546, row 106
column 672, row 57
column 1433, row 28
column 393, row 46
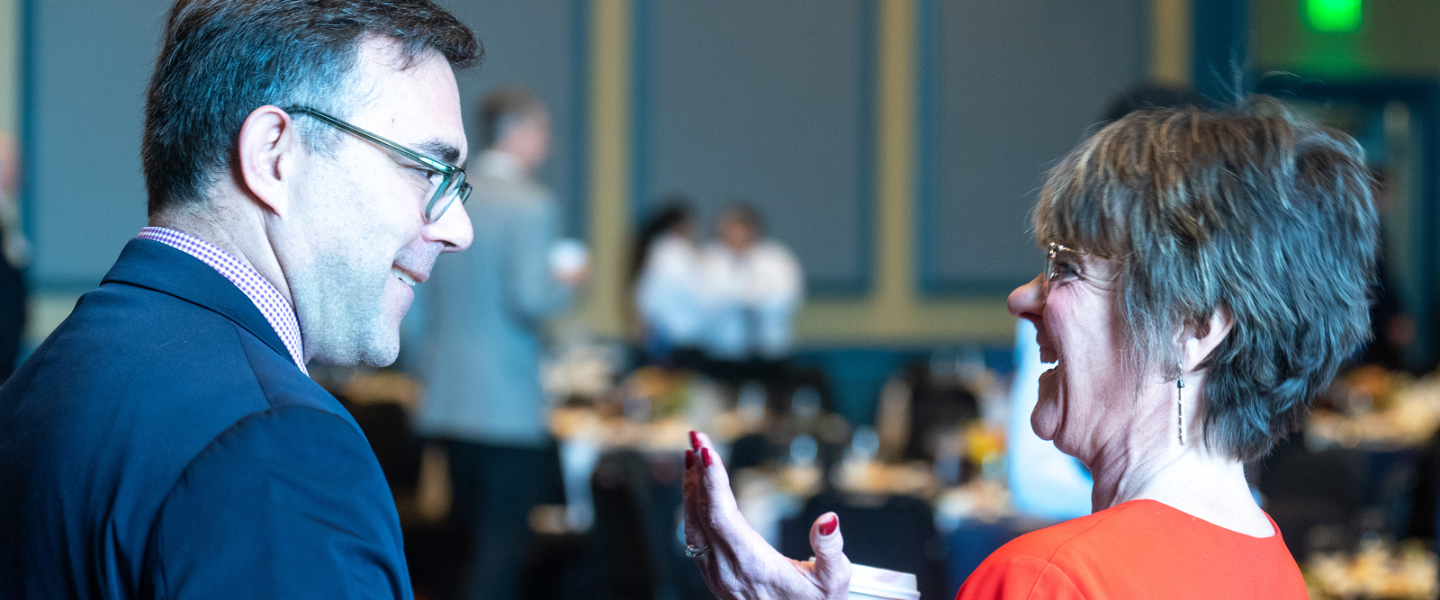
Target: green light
column 1333, row 16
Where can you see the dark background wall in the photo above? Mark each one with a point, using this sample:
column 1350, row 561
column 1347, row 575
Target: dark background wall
column 1009, row 86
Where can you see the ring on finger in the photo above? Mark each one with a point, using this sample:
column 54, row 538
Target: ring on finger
column 694, row 552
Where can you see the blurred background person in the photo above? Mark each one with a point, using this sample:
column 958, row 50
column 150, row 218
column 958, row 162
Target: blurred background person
column 670, row 295
column 1044, row 482
column 486, row 314
column 14, row 255
column 757, row 286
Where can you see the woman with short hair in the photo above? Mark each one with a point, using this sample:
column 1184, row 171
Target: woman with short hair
column 1206, row 275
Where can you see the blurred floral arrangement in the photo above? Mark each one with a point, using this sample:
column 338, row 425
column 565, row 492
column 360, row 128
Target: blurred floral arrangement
column 1378, row 571
column 1373, row 406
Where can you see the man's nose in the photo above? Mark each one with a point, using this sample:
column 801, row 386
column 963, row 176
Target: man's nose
column 453, row 229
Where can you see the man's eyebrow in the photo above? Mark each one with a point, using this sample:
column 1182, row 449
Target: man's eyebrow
column 440, row 151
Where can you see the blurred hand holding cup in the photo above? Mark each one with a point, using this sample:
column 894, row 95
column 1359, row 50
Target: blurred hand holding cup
column 569, row 259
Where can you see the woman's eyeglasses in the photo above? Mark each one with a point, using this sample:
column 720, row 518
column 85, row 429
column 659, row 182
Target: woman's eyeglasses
column 1063, row 262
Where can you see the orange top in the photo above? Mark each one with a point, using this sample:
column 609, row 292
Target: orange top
column 1138, row 550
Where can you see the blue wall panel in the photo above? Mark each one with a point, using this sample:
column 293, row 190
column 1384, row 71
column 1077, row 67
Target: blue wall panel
column 86, row 68
column 1007, row 88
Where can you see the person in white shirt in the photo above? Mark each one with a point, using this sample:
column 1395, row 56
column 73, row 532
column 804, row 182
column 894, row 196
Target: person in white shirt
column 755, row 285
column 671, row 295
column 1044, row 482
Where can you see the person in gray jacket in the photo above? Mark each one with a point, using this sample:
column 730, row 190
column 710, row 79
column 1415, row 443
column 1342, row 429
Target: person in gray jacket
column 485, row 313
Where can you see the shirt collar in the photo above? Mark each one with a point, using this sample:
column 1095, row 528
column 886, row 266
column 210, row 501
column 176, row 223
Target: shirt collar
column 271, row 303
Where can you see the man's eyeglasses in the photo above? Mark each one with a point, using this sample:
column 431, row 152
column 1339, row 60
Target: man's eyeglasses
column 452, row 184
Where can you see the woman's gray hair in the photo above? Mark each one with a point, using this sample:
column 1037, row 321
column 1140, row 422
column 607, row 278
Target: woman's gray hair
column 1254, row 211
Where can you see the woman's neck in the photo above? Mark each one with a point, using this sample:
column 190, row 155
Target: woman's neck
column 1191, row 479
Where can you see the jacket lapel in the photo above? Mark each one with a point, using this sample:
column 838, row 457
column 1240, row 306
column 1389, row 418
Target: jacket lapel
column 156, row 266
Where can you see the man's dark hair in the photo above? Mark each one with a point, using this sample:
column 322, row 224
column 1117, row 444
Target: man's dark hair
column 502, row 109
column 746, row 214
column 222, row 59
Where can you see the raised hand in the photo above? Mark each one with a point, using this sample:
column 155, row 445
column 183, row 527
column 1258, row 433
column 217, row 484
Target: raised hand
column 735, row 561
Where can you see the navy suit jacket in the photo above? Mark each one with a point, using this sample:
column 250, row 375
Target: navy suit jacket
column 162, row 444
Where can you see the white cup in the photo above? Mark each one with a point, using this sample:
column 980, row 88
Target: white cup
column 568, row 257
column 870, row 583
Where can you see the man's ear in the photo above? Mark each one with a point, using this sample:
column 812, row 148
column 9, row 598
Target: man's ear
column 1199, row 342
column 269, row 149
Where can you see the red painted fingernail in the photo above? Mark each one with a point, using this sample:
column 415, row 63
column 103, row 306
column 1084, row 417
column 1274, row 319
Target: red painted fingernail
column 828, row 527
column 689, row 458
column 705, row 456
column 695, row 440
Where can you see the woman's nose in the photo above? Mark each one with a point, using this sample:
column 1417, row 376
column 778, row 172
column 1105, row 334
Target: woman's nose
column 1025, row 301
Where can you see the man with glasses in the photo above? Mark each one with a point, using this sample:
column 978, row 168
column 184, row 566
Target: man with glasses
column 485, row 316
column 165, row 441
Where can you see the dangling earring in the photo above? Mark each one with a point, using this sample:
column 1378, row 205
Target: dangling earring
column 1180, row 406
